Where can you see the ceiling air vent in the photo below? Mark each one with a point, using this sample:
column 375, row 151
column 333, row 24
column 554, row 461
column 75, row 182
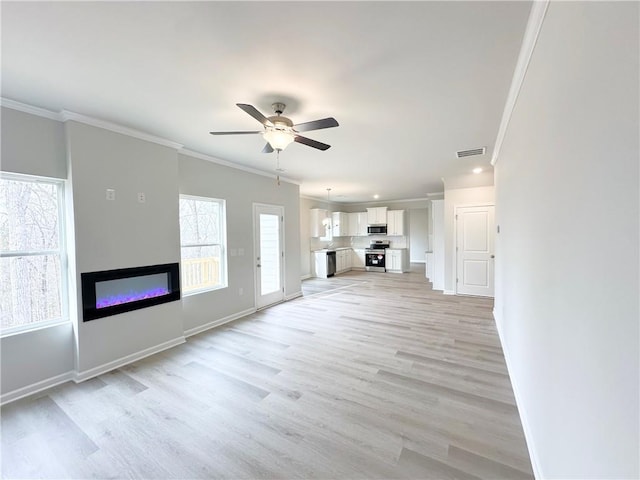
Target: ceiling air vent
column 471, row 153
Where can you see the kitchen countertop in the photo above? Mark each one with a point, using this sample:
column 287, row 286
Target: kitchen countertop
column 331, row 249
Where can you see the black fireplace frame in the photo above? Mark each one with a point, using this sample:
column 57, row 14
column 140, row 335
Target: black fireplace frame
column 89, row 280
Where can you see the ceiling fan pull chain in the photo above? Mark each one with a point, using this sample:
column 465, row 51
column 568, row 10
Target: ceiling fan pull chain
column 278, row 167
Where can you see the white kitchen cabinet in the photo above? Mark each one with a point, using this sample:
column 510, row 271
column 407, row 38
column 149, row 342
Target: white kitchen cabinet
column 358, row 222
column 320, row 264
column 318, row 223
column 363, row 223
column 340, row 222
column 343, row 260
column 353, row 224
column 377, row 215
column 358, row 259
column 396, row 260
column 395, row 222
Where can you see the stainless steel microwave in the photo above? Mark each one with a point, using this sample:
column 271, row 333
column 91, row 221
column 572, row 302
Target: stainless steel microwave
column 377, row 229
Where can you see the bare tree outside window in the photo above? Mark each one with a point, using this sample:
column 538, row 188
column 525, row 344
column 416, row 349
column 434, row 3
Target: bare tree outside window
column 31, row 252
column 202, row 244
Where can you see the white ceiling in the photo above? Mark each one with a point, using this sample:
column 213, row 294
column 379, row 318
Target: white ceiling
column 409, row 82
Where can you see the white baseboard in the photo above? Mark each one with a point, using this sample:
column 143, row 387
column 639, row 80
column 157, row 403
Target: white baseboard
column 293, row 295
column 218, row 322
column 99, row 370
column 449, row 292
column 305, row 277
column 535, row 464
column 35, row 388
column 127, row 359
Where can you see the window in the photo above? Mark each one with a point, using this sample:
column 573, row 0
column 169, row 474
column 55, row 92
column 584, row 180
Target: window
column 32, row 253
column 203, row 244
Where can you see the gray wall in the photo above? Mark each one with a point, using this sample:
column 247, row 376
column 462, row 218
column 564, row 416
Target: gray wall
column 418, row 223
column 35, row 146
column 32, row 145
column 124, row 233
column 567, row 264
column 240, row 190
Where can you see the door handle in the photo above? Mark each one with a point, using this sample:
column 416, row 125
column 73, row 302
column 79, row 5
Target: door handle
column 493, row 256
column 258, row 265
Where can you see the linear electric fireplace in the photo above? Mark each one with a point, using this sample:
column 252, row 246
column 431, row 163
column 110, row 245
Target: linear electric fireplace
column 117, row 291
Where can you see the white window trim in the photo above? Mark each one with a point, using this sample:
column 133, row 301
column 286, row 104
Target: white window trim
column 61, row 185
column 223, row 246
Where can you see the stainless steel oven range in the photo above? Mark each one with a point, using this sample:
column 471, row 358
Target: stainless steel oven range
column 375, row 256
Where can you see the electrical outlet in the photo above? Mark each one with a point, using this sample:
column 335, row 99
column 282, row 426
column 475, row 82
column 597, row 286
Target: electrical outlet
column 141, row 197
column 111, row 194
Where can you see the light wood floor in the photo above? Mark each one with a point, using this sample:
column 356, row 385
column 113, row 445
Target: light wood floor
column 368, row 375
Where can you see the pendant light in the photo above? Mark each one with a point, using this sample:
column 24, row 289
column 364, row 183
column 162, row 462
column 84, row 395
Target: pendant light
column 327, row 220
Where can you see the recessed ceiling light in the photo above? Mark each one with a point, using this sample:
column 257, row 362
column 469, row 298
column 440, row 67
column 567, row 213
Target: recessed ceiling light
column 477, row 170
column 376, row 196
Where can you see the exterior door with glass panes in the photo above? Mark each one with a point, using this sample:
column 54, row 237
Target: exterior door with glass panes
column 269, row 254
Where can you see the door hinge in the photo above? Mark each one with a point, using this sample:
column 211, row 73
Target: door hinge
column 456, row 217
column 456, row 280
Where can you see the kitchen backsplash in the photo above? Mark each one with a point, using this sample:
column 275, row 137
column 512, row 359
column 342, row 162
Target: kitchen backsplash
column 357, row 242
column 363, row 242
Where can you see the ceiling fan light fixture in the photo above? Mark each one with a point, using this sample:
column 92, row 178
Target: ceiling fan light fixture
column 278, row 139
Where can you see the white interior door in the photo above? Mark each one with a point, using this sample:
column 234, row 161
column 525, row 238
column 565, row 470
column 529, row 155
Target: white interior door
column 474, row 246
column 269, row 254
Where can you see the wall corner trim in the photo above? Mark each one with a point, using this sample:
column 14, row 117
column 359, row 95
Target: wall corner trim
column 534, row 25
column 106, row 367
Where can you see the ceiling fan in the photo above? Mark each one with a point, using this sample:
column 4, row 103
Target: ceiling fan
column 279, row 131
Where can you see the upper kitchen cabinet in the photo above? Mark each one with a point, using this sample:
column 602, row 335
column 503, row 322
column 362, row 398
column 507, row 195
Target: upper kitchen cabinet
column 377, row 215
column 340, row 224
column 318, row 221
column 358, row 222
column 395, row 222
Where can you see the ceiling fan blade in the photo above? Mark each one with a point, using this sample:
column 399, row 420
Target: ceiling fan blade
column 235, row 133
column 316, row 124
column 267, row 148
column 253, row 111
column 311, row 143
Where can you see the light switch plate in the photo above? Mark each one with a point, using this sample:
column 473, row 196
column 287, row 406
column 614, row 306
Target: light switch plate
column 111, row 194
column 141, row 197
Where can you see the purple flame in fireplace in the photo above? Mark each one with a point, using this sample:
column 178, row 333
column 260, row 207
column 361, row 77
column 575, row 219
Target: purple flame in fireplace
column 131, row 296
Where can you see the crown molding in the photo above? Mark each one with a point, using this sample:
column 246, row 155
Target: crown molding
column 225, row 163
column 372, row 202
column 534, row 25
column 23, row 107
column 66, row 116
